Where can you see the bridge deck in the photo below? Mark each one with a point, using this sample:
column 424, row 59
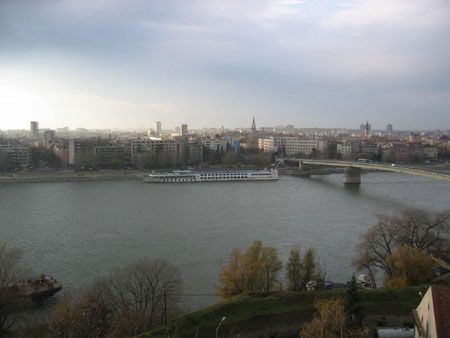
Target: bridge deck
column 377, row 166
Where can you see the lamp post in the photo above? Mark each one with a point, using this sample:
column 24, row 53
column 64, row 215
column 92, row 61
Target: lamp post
column 217, row 328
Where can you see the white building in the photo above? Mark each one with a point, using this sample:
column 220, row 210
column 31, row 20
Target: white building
column 219, row 144
column 432, row 316
column 74, row 148
column 271, row 144
column 345, row 149
column 290, row 146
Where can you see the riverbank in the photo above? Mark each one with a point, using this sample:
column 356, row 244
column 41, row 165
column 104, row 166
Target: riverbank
column 265, row 314
column 47, row 176
column 69, row 176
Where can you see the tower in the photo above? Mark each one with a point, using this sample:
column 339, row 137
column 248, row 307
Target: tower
column 253, row 125
column 367, row 129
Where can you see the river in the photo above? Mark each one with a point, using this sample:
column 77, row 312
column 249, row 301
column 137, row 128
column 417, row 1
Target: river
column 78, row 231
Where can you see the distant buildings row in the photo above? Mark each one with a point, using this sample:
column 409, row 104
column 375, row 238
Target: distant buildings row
column 159, row 149
column 394, row 152
column 383, row 151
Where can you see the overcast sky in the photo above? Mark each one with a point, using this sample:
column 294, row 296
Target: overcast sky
column 311, row 63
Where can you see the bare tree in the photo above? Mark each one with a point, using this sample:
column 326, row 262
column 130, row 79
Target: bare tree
column 140, row 293
column 423, row 231
column 415, row 228
column 88, row 317
column 129, row 301
column 376, row 245
column 10, row 273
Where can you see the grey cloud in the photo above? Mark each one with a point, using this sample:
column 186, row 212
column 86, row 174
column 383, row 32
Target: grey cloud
column 298, row 57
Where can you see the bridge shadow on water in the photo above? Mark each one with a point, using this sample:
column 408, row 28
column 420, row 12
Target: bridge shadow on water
column 357, row 191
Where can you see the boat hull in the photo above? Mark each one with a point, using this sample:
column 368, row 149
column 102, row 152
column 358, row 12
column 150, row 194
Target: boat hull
column 186, row 176
column 36, row 289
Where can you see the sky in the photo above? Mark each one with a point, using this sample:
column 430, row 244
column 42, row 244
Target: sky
column 209, row 63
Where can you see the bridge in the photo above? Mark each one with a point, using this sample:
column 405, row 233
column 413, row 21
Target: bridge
column 353, row 169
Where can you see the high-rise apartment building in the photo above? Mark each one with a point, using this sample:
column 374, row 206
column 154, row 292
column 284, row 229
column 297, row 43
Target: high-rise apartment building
column 389, row 128
column 34, row 129
column 49, row 137
column 362, row 127
column 74, row 146
column 158, row 127
column 184, row 129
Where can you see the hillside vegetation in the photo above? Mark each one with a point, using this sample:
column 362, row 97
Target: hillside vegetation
column 263, row 313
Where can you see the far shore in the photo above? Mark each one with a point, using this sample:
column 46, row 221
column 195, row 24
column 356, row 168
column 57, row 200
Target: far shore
column 47, row 176
column 69, row 176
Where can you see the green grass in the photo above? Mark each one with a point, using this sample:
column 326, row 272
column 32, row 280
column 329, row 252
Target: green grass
column 256, row 310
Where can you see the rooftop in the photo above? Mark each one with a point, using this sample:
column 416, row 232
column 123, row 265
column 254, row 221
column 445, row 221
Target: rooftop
column 441, row 304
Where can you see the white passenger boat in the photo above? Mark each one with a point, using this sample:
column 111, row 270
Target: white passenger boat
column 180, row 176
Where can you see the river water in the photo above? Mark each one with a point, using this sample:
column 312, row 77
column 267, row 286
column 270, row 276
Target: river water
column 78, row 231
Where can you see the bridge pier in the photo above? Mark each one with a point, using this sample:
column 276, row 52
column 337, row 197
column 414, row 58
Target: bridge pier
column 304, row 168
column 352, row 175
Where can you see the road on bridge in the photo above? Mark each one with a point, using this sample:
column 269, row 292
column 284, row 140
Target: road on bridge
column 378, row 166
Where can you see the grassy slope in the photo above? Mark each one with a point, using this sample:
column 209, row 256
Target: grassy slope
column 248, row 311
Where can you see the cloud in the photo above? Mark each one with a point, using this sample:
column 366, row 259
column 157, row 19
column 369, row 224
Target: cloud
column 202, row 59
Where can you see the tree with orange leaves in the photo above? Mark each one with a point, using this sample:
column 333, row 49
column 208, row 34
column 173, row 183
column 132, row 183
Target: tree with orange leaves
column 255, row 270
column 410, row 266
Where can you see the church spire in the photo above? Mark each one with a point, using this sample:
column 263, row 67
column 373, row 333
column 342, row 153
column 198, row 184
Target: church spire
column 253, row 125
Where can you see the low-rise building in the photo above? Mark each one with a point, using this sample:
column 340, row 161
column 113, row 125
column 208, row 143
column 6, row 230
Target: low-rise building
column 157, row 151
column 14, row 155
column 290, row 146
column 432, row 316
column 347, row 149
column 369, row 150
column 400, row 152
column 219, row 144
column 49, row 138
column 113, row 155
column 430, row 153
column 271, row 144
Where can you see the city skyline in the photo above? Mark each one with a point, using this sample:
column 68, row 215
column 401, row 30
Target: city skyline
column 323, row 64
column 35, row 127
